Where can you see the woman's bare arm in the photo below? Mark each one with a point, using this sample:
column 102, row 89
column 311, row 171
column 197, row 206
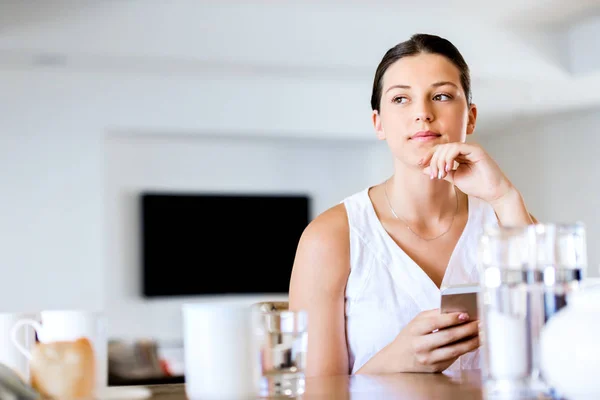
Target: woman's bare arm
column 318, row 283
column 511, row 210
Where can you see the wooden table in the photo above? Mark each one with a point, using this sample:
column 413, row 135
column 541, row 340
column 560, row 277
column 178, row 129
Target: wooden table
column 464, row 386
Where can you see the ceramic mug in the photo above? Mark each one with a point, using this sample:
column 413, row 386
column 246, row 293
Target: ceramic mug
column 220, row 351
column 9, row 354
column 69, row 325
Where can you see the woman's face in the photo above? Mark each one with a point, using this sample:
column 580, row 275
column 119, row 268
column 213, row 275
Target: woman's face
column 422, row 105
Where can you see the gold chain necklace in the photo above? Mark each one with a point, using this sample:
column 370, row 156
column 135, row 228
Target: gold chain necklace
column 409, row 228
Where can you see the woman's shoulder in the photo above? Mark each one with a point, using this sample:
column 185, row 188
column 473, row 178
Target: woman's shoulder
column 332, row 225
column 327, row 236
column 322, row 258
column 328, row 228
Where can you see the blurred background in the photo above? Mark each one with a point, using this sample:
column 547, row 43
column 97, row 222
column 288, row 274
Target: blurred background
column 103, row 100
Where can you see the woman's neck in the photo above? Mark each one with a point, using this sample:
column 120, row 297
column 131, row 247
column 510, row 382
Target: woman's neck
column 417, row 198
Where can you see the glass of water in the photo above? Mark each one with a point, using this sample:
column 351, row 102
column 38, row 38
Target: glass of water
column 510, row 315
column 558, row 261
column 283, row 343
column 559, row 258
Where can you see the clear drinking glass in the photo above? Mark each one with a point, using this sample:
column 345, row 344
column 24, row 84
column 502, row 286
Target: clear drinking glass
column 558, row 261
column 509, row 316
column 283, row 343
column 559, row 257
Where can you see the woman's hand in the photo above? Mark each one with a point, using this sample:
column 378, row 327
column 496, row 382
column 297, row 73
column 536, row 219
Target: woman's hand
column 477, row 173
column 432, row 341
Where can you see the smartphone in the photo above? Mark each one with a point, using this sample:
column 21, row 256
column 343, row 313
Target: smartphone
column 461, row 298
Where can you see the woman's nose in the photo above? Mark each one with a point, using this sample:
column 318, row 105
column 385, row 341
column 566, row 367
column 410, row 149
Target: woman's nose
column 424, row 114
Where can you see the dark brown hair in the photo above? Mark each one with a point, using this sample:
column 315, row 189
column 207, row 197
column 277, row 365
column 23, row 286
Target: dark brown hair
column 421, row 43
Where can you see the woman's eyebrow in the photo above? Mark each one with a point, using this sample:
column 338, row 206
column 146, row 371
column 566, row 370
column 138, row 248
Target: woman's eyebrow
column 443, row 83
column 436, row 84
column 397, row 87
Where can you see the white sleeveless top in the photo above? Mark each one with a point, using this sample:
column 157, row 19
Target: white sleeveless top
column 386, row 289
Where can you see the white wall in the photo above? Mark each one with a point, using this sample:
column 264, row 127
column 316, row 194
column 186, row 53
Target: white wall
column 50, row 195
column 554, row 163
column 328, row 171
column 53, row 126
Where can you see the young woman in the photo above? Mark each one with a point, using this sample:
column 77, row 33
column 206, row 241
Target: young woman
column 369, row 270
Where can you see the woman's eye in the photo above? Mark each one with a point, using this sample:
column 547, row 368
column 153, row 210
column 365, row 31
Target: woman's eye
column 399, row 100
column 442, row 97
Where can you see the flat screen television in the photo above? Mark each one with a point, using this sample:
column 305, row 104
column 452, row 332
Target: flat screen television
column 219, row 243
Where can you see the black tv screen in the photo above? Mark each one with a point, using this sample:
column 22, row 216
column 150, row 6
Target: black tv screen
column 211, row 244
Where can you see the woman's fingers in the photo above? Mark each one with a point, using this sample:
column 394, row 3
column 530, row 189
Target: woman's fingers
column 434, row 321
column 447, row 155
column 443, row 155
column 454, row 350
column 439, row 161
column 432, row 162
column 448, row 336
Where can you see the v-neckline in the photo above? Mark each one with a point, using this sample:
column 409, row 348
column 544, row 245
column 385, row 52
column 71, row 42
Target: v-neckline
column 391, row 242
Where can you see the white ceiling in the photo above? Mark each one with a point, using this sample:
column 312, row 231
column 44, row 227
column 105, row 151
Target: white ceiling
column 527, row 57
column 526, row 13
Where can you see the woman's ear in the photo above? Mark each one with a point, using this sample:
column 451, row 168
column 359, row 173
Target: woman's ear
column 377, row 124
column 472, row 119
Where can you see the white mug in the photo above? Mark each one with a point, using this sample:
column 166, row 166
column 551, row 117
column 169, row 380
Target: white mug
column 221, row 354
column 69, row 325
column 9, row 354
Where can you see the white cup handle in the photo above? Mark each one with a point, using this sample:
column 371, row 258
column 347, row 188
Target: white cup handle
column 15, row 330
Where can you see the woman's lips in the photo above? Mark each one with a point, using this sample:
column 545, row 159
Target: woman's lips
column 425, row 136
